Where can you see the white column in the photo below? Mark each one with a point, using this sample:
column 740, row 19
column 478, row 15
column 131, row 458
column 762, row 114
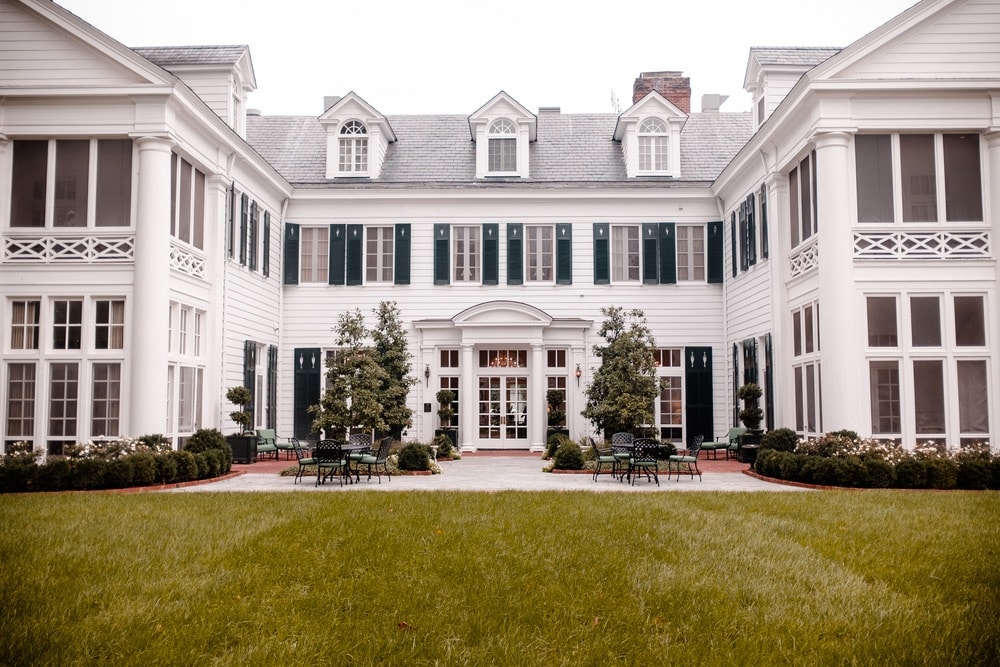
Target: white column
column 993, row 208
column 537, row 417
column 467, row 417
column 150, row 326
column 842, row 381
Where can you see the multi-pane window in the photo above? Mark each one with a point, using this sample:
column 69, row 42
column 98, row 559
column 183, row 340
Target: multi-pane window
column 933, row 169
column 555, row 363
column 973, row 400
column 802, row 200
column 74, row 199
column 653, row 145
column 625, row 253
column 63, row 394
column 806, row 369
column 502, row 146
column 669, row 409
column 884, row 379
column 20, row 401
column 539, row 252
column 467, row 246
column 189, row 399
column 67, row 324
column 106, row 401
column 24, row 325
column 187, row 202
column 314, row 261
column 109, row 325
column 690, row 252
column 378, row 254
column 353, row 148
column 450, row 359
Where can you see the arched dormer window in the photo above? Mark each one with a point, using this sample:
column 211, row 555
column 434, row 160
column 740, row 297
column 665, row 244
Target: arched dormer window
column 353, row 148
column 654, row 139
column 502, row 137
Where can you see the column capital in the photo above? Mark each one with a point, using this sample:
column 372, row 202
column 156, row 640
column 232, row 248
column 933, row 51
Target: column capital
column 992, row 138
column 832, row 139
column 147, row 142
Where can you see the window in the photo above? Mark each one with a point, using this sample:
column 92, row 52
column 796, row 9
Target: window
column 68, row 202
column 24, row 325
column 467, row 254
column 353, row 148
column 187, row 201
column 189, row 399
column 63, row 394
column 932, row 168
column 502, row 151
column 378, row 254
column 67, row 324
column 928, row 396
column 973, row 398
column 802, row 200
column 313, row 264
column 690, row 252
column 20, row 401
column 885, row 397
column 653, row 146
column 925, row 321
column 539, row 253
column 109, row 327
column 669, row 407
column 970, row 324
column 806, row 369
column 106, row 404
column 625, row 253
column 882, row 330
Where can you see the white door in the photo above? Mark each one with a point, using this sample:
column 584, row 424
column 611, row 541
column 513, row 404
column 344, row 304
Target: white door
column 503, row 411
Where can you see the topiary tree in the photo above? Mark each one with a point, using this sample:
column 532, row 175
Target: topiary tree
column 620, row 397
column 240, row 396
column 393, row 356
column 569, row 456
column 751, row 414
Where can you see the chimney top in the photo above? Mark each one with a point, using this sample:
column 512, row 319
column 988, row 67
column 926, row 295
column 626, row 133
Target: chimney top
column 672, row 85
column 712, row 102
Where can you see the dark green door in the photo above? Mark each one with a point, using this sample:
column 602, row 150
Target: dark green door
column 308, row 379
column 698, row 391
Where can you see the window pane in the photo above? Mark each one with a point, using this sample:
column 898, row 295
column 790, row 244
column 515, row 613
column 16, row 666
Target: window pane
column 378, row 254
column 72, row 167
column 67, row 324
column 970, row 326
column 106, row 399
column 184, row 203
column 24, row 325
column 109, row 325
column 20, row 400
column 925, row 321
column 797, row 333
column 973, row 397
column 114, row 182
column 27, row 208
column 807, row 316
column 625, row 253
column 919, row 187
column 62, row 399
column 928, row 396
column 882, row 321
column 313, row 263
column 793, row 206
column 963, row 194
column 885, row 397
column 805, row 188
column 539, row 252
column 466, row 253
column 503, row 154
column 873, row 155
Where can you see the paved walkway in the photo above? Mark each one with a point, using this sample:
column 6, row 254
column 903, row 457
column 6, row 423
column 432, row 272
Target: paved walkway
column 494, row 472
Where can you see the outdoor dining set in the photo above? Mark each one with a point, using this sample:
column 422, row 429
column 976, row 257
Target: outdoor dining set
column 629, row 458
column 332, row 459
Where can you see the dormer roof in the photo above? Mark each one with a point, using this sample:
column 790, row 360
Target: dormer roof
column 504, row 105
column 653, row 104
column 352, row 105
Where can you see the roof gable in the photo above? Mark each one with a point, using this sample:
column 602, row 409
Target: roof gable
column 506, row 106
column 652, row 104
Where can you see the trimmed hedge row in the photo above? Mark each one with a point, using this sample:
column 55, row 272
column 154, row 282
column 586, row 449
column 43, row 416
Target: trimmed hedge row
column 972, row 473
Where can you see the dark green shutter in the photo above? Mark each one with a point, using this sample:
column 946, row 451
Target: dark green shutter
column 355, row 254
column 442, row 249
column 338, row 254
column 231, row 220
column 716, row 246
column 271, row 418
column 401, row 249
column 768, row 383
column 733, row 237
column 308, row 362
column 292, row 232
column 250, row 377
column 650, row 253
column 515, row 253
column 751, row 229
column 491, row 254
column 736, row 384
column 602, row 253
column 244, row 212
column 763, row 222
column 266, row 263
column 668, row 253
column 252, row 236
column 699, row 417
column 564, row 254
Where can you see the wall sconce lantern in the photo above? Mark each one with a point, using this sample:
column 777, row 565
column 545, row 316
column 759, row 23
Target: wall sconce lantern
column 578, row 373
column 427, row 375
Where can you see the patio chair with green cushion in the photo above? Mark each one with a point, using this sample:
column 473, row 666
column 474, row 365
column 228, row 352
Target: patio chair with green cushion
column 329, row 457
column 644, row 460
column 379, row 458
column 621, row 449
column 733, row 450
column 603, row 457
column 686, row 463
column 267, row 435
column 305, row 460
column 266, row 443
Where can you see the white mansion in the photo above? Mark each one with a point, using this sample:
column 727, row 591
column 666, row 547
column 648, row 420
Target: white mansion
column 836, row 245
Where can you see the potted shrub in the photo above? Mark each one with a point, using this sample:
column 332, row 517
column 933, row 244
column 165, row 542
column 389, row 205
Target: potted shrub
column 446, row 414
column 556, row 398
column 244, row 443
column 751, row 416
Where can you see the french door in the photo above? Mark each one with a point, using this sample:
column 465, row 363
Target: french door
column 503, row 411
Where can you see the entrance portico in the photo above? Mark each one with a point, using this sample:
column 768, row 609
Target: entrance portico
column 500, row 358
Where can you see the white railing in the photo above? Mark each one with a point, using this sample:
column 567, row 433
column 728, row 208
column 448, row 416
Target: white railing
column 90, row 249
column 186, row 261
column 805, row 257
column 922, row 244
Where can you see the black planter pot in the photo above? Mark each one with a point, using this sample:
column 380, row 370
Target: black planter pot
column 244, row 448
column 749, row 446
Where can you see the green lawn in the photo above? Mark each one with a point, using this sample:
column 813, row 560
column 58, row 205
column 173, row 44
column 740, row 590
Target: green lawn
column 515, row 578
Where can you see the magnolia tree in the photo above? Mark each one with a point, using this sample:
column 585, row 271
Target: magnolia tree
column 624, row 388
column 393, row 357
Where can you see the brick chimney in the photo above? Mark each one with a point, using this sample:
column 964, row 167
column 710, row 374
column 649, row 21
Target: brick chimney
column 671, row 85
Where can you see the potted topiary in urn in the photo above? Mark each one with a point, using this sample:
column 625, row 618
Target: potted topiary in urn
column 751, row 416
column 446, row 413
column 244, row 443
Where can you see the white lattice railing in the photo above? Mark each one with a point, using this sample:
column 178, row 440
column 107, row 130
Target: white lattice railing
column 805, row 257
column 922, row 245
column 55, row 249
column 186, row 261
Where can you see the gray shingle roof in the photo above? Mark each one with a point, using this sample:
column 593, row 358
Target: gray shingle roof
column 167, row 56
column 438, row 150
column 808, row 56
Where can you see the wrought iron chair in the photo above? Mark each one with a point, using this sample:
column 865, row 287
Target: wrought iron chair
column 602, row 457
column 379, row 458
column 621, row 449
column 689, row 461
column 364, row 440
column 644, row 460
column 329, row 457
column 304, row 459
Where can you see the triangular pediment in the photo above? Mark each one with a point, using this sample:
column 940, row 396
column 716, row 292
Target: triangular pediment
column 352, row 106
column 503, row 105
column 652, row 104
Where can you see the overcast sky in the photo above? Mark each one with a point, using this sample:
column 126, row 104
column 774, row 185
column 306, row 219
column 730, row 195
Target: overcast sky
column 452, row 56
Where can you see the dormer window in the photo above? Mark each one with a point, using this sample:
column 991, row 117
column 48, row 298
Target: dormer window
column 654, row 142
column 353, row 148
column 503, row 147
